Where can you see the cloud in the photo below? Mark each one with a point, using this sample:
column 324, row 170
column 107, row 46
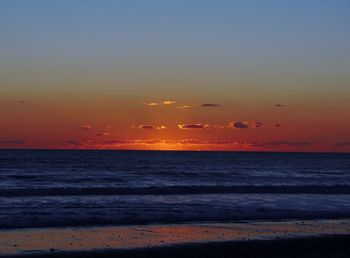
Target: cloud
column 279, row 105
column 186, row 143
column 276, row 144
column 152, row 104
column 185, row 106
column 102, row 134
column 168, row 102
column 152, row 141
column 257, row 124
column 86, row 127
column 13, row 142
column 201, row 142
column 113, row 143
column 70, row 143
column 165, row 102
column 343, row 144
column 218, row 126
column 191, row 126
column 278, row 125
column 146, row 127
column 127, row 142
column 238, row 125
column 162, row 127
column 209, row 105
column 202, row 105
column 190, row 141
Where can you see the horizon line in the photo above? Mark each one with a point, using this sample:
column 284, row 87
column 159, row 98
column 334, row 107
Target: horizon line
column 140, row 150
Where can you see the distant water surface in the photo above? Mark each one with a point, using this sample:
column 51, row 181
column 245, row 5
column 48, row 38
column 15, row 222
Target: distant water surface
column 41, row 188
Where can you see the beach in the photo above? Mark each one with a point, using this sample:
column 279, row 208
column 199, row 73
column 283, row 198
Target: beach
column 271, row 239
column 124, row 204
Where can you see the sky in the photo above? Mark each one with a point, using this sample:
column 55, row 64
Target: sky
column 175, row 75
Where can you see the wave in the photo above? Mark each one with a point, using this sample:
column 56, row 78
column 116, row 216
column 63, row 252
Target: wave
column 178, row 190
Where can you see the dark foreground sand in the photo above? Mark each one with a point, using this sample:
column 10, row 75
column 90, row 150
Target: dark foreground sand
column 318, row 238
column 319, row 247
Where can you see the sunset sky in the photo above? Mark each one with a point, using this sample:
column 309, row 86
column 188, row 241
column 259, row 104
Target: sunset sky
column 175, row 75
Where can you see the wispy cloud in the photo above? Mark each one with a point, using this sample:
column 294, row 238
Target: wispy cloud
column 209, row 105
column 169, row 102
column 203, row 142
column 151, row 103
column 102, row 134
column 117, row 142
column 165, row 102
column 186, row 143
column 13, row 142
column 172, row 102
column 191, row 126
column 343, row 144
column 86, row 127
column 185, row 107
column 146, row 127
column 70, row 143
column 218, row 126
column 276, row 144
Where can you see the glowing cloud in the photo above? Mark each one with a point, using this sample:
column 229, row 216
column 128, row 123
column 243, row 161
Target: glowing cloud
column 86, row 127
column 111, row 143
column 201, row 142
column 152, row 104
column 181, row 144
column 191, row 126
column 162, row 127
column 185, row 106
column 168, row 102
column 165, row 102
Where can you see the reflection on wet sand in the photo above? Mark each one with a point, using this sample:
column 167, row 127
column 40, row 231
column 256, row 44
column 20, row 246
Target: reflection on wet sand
column 130, row 237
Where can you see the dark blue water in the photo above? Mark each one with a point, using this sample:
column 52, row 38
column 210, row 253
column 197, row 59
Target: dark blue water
column 73, row 188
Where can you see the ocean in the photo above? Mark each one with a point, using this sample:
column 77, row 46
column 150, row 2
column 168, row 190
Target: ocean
column 58, row 188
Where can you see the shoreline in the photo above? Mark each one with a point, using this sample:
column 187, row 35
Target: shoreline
column 336, row 246
column 164, row 239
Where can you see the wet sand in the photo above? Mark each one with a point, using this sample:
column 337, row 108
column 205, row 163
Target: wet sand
column 183, row 240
